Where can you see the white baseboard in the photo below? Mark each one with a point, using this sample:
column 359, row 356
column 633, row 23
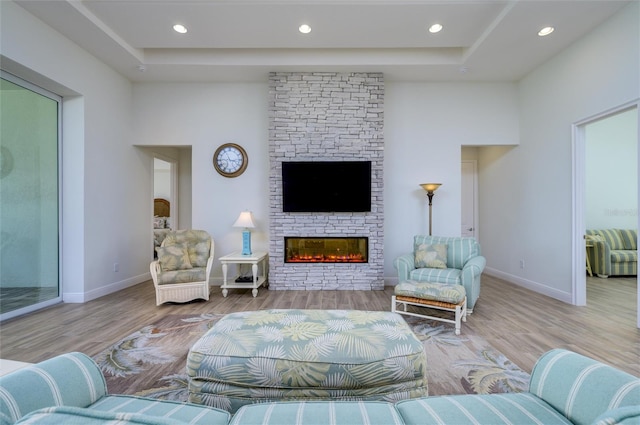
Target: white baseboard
column 82, row 297
column 529, row 284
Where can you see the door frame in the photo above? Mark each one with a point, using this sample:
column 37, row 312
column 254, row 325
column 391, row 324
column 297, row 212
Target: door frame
column 476, row 217
column 578, row 153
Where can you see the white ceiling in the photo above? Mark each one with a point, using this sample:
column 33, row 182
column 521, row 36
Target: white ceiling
column 243, row 40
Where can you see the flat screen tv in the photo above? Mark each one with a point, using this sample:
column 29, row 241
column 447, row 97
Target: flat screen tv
column 326, row 186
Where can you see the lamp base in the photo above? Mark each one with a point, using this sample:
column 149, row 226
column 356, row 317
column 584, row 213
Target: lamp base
column 246, row 242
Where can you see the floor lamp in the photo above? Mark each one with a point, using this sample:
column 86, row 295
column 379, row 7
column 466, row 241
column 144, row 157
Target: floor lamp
column 430, row 188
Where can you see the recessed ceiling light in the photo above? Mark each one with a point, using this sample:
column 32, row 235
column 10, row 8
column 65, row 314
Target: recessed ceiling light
column 180, row 28
column 545, row 31
column 304, row 28
column 435, row 28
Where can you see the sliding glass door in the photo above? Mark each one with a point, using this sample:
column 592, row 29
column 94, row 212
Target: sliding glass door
column 29, row 197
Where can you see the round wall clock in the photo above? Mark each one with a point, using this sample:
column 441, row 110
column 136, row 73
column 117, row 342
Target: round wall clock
column 230, row 160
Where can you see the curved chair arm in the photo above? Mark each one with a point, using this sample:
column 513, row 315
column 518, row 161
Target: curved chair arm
column 154, row 268
column 475, row 265
column 404, row 264
column 602, row 256
column 209, row 267
column 471, row 272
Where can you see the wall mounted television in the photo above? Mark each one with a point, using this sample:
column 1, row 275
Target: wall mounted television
column 326, row 186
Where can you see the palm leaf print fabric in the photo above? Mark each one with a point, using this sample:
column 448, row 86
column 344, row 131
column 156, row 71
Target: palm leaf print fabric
column 273, row 355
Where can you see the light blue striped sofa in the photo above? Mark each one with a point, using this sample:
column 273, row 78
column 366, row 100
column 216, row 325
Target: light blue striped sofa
column 464, row 265
column 71, row 389
column 565, row 388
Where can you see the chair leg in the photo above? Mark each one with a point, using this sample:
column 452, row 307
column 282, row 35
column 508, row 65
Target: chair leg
column 465, row 311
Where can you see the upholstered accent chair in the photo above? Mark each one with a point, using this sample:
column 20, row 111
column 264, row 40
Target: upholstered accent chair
column 183, row 268
column 447, row 260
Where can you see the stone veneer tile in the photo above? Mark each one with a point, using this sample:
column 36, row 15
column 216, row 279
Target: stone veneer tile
column 326, row 116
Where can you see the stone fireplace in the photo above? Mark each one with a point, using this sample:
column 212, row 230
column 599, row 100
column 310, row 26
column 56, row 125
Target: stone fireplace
column 326, row 116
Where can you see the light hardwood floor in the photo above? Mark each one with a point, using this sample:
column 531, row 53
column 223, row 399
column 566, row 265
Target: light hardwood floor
column 520, row 323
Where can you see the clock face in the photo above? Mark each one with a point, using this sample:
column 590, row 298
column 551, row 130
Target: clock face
column 230, row 160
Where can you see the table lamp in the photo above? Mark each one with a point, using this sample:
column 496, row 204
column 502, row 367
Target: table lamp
column 245, row 220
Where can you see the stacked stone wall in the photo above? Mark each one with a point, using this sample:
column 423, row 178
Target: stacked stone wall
column 326, row 116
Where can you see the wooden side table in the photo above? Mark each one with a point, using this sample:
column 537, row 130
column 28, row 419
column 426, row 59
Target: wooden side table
column 254, row 259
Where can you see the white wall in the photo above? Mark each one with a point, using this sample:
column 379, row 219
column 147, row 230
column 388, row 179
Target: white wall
column 611, row 199
column 526, row 192
column 205, row 116
column 423, row 139
column 425, row 128
column 102, row 222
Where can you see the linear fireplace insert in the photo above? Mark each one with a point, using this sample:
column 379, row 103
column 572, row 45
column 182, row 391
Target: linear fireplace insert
column 326, row 250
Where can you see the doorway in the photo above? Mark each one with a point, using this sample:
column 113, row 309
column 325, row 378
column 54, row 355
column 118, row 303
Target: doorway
column 599, row 211
column 165, row 198
column 469, row 201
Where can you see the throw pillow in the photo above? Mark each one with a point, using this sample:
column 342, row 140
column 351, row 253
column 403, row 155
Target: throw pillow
column 158, row 222
column 431, row 256
column 173, row 257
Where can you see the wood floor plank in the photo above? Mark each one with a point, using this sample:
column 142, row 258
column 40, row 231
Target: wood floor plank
column 520, row 323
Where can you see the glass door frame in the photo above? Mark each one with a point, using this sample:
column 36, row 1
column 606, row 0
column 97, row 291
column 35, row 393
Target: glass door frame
column 58, row 99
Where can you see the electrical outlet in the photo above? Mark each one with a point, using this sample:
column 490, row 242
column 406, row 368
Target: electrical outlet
column 522, row 264
column 116, row 267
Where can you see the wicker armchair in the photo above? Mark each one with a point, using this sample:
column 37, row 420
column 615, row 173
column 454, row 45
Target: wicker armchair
column 183, row 268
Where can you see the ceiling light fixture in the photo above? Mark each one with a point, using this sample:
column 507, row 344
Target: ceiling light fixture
column 435, row 28
column 545, row 31
column 304, row 29
column 180, row 28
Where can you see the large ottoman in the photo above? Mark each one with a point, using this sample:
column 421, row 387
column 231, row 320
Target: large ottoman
column 274, row 355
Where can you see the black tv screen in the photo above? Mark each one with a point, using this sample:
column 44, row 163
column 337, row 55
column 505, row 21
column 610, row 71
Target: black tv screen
column 326, row 186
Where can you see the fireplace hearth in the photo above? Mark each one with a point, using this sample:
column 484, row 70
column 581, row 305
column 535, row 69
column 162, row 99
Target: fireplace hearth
column 326, row 250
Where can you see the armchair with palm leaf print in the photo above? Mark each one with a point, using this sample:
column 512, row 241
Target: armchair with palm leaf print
column 183, row 268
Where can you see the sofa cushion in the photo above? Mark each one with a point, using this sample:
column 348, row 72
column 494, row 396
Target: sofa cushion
column 612, row 237
column 188, row 413
column 446, row 276
column 624, row 256
column 320, row 413
column 629, row 239
column 196, row 274
column 520, row 408
column 82, row 416
column 434, row 256
column 174, row 257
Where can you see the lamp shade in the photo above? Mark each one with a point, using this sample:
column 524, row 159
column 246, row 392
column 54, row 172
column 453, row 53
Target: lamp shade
column 245, row 220
column 430, row 187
